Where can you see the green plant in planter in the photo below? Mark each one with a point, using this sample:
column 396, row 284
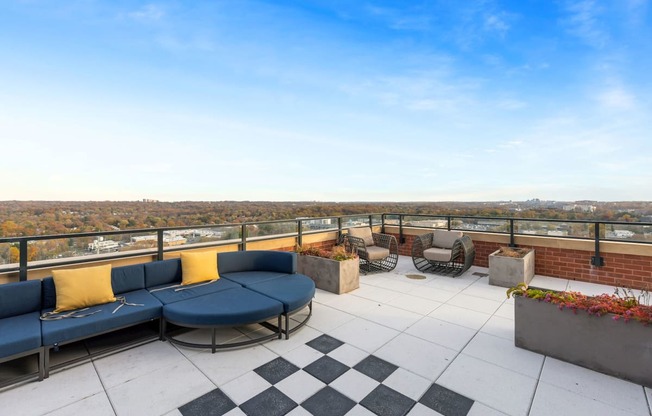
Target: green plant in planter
column 623, row 304
column 338, row 253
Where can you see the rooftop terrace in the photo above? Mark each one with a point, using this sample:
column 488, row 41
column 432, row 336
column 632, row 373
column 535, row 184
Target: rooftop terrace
column 396, row 345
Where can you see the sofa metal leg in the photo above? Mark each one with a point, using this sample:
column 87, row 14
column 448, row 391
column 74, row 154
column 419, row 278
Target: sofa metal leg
column 161, row 329
column 41, row 364
column 46, row 362
column 287, row 326
column 279, row 327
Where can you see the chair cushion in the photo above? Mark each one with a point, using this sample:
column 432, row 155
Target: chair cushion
column 375, row 253
column 172, row 293
column 19, row 298
column 438, row 254
column 235, row 306
column 257, row 260
column 364, row 233
column 294, row 290
column 162, row 272
column 20, row 333
column 128, row 278
column 198, row 267
column 64, row 330
column 444, row 238
column 83, row 287
column 248, row 278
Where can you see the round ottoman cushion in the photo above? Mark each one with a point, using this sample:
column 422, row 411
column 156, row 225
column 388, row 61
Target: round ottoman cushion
column 293, row 290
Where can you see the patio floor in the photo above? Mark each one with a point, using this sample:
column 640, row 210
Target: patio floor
column 394, row 346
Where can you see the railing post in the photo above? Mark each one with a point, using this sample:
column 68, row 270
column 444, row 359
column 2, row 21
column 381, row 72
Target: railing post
column 243, row 236
column 371, row 221
column 339, row 229
column 22, row 260
column 597, row 260
column 448, row 218
column 300, row 233
column 512, row 243
column 382, row 223
column 159, row 239
column 401, row 239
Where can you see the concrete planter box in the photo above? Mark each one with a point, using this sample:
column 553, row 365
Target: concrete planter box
column 620, row 349
column 509, row 271
column 331, row 275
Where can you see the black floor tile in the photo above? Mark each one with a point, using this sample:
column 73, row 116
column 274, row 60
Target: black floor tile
column 271, row 402
column 326, row 369
column 213, row 403
column 276, row 370
column 375, row 368
column 446, row 402
column 328, row 402
column 384, row 401
column 324, row 343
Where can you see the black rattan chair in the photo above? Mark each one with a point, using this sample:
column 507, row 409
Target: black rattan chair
column 443, row 252
column 377, row 252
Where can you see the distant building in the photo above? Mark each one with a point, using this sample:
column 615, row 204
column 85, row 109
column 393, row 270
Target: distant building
column 579, row 208
column 620, row 234
column 103, row 246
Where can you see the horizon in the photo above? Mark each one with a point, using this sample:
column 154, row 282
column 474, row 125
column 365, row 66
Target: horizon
column 326, row 101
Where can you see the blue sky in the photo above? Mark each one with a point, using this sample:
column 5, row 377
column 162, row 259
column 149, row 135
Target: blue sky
column 333, row 100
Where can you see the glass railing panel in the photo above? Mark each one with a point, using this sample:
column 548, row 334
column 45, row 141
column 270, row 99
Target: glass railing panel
column 392, row 219
column 271, row 229
column 554, row 228
column 627, row 232
column 355, row 221
column 9, row 253
column 321, row 224
column 481, row 225
column 425, row 221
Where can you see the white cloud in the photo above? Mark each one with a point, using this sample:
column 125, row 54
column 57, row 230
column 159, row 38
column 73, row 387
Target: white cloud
column 583, row 22
column 616, row 98
column 149, row 12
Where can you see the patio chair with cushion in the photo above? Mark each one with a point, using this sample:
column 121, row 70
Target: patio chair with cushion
column 377, row 252
column 443, row 252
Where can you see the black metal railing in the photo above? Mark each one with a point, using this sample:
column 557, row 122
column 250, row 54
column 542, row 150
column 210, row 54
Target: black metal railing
column 297, row 228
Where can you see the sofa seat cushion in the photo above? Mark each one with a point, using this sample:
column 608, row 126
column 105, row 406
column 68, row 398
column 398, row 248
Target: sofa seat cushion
column 252, row 277
column 69, row 329
column 175, row 293
column 294, row 290
column 235, row 306
column 375, row 253
column 438, row 254
column 19, row 334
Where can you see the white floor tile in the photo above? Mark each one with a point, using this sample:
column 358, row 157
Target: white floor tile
column 166, row 389
column 506, row 310
column 550, row 283
column 482, row 289
column 648, row 393
column 302, row 355
column 475, row 303
column 299, row 386
column 297, row 411
column 355, row 305
column 392, row 317
column 590, row 289
column 360, row 411
column 176, row 412
column 415, row 304
column 245, row 387
column 95, row 405
column 135, row 362
column 433, row 293
column 615, row 392
column 375, row 293
column 552, row 400
column 224, row 366
column 282, row 346
column 354, row 385
column 441, row 332
column 502, row 352
column 479, row 409
column 233, row 412
column 348, row 355
column 324, row 318
column 499, row 327
column 59, row 390
column 366, row 335
column 408, row 383
column 324, row 297
column 395, row 283
column 460, row 316
column 490, row 384
column 421, row 410
column 417, row 355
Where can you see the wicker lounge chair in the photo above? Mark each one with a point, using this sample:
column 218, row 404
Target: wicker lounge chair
column 377, row 252
column 443, row 252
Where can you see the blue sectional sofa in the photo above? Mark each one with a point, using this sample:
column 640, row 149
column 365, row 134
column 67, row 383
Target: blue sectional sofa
column 254, row 287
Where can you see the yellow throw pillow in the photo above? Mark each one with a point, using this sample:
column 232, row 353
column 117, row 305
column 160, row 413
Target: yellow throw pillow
column 80, row 288
column 198, row 267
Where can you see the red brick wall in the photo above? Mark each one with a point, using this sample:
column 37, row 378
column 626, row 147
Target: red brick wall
column 626, row 270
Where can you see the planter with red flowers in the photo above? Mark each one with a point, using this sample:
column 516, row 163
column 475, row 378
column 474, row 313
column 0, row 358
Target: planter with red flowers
column 611, row 334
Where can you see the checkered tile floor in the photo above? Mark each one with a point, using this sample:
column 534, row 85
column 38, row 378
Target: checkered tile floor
column 328, row 382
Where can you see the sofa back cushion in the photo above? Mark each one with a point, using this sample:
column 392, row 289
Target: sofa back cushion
column 364, row 233
column 19, row 298
column 262, row 260
column 444, row 238
column 163, row 272
column 128, row 278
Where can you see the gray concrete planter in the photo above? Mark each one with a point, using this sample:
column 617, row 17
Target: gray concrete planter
column 331, row 275
column 510, row 271
column 620, row 349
